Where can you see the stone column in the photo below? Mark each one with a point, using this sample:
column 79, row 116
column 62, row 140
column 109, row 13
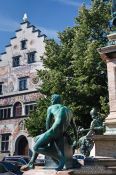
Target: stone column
column 23, row 109
column 12, row 111
column 108, row 54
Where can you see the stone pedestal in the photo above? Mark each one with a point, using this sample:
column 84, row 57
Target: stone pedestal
column 105, row 145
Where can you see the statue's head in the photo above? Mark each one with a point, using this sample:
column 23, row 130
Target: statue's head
column 55, row 99
column 93, row 112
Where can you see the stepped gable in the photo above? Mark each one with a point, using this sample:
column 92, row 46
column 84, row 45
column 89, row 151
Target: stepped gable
column 28, row 25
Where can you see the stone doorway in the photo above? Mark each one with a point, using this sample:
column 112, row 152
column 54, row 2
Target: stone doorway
column 22, row 146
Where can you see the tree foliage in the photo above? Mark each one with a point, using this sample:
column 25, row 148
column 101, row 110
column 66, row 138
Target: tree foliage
column 74, row 69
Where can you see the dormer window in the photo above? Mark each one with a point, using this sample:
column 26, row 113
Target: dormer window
column 16, row 61
column 23, row 44
column 31, row 57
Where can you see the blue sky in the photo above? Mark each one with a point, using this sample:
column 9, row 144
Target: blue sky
column 50, row 16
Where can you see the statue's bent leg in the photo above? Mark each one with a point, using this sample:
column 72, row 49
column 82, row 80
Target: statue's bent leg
column 40, row 146
column 43, row 140
column 55, row 151
column 50, row 151
column 58, row 147
column 35, row 154
column 39, row 143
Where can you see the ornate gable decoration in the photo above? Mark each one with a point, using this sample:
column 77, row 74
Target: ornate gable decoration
column 4, row 130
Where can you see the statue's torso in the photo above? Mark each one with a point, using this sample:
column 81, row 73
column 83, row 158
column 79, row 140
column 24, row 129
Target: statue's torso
column 62, row 117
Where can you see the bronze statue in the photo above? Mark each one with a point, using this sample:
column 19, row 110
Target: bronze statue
column 96, row 125
column 52, row 142
column 86, row 142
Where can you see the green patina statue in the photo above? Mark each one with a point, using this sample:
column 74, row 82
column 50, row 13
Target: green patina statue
column 96, row 125
column 86, row 142
column 55, row 141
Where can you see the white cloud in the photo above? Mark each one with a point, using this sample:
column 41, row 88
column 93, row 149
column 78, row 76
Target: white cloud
column 7, row 24
column 73, row 3
column 50, row 33
column 69, row 2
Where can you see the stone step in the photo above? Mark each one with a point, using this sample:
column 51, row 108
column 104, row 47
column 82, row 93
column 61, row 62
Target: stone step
column 105, row 161
column 113, row 168
column 84, row 170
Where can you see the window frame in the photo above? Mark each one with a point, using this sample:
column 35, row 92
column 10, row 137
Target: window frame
column 4, row 110
column 31, row 57
column 1, row 88
column 23, row 83
column 5, row 143
column 23, row 44
column 16, row 61
column 28, row 108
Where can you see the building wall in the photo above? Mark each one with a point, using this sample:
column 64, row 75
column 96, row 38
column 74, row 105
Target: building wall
column 9, row 80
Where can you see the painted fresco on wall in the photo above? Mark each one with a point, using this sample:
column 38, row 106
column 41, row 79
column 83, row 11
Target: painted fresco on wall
column 22, row 98
column 5, row 129
column 16, row 131
column 3, row 71
column 22, row 70
column 5, row 88
column 32, row 97
column 11, row 86
column 19, row 127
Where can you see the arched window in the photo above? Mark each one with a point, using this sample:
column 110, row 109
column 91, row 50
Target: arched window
column 17, row 110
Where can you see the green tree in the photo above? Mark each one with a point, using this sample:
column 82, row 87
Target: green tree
column 73, row 67
column 89, row 70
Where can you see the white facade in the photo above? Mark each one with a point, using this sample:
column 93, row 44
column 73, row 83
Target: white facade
column 18, row 87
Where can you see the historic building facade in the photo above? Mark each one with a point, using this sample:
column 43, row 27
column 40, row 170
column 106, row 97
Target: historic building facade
column 18, row 87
